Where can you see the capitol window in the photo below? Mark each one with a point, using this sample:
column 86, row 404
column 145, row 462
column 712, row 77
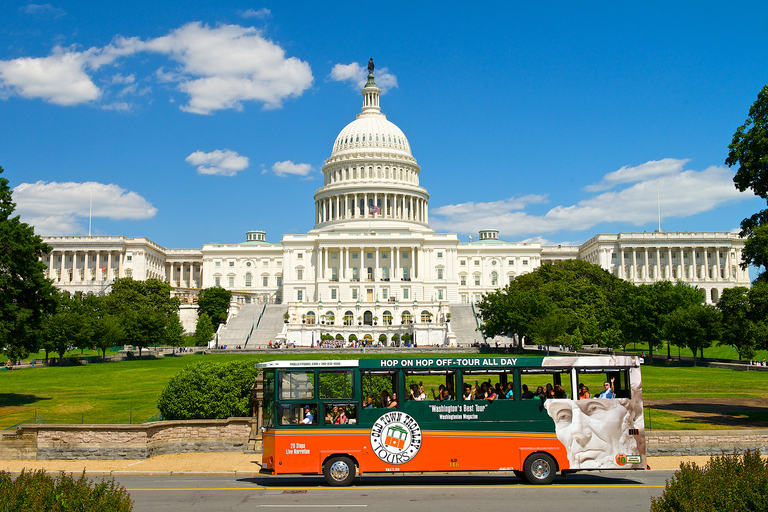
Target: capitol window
column 354, row 293
column 265, row 281
column 406, row 292
column 265, row 263
column 217, row 264
column 463, row 263
column 440, row 294
column 248, row 279
column 300, row 274
column 231, row 263
column 439, row 273
column 477, row 263
column 463, row 280
column 477, row 280
column 217, row 281
column 300, row 255
column 354, row 255
column 333, row 293
column 128, row 258
column 525, row 262
column 439, row 255
column 405, row 255
column 300, row 295
column 231, row 281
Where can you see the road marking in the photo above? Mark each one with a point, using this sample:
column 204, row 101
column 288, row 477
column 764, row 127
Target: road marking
column 311, row 506
column 390, row 487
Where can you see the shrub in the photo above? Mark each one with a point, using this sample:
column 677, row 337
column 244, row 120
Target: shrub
column 40, row 491
column 209, row 391
column 727, row 482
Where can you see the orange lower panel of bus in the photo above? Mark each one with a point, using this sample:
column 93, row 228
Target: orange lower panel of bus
column 303, row 451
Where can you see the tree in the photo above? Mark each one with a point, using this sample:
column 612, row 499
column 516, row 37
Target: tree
column 738, row 330
column 204, row 331
column 68, row 328
column 749, row 150
column 107, row 333
column 26, row 296
column 149, row 314
column 696, row 327
column 214, row 302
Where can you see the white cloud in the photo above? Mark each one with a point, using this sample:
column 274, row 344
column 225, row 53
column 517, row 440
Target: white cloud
column 288, row 167
column 222, row 163
column 681, row 194
column 60, row 78
column 229, row 64
column 43, row 10
column 219, row 68
column 647, row 171
column 58, row 208
column 261, row 14
column 357, row 76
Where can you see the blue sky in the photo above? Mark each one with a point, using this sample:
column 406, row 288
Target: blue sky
column 192, row 122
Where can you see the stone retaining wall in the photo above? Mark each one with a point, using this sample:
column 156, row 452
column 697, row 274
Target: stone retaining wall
column 704, row 442
column 46, row 442
column 125, row 441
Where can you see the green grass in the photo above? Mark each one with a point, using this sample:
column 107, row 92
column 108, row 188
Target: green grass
column 689, row 382
column 125, row 391
column 716, row 352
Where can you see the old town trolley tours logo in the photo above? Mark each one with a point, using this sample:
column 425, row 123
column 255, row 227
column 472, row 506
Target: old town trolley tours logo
column 396, row 438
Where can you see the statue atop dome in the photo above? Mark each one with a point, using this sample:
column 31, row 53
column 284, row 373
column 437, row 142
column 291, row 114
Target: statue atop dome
column 370, row 66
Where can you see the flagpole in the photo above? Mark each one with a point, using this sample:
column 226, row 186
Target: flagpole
column 658, row 203
column 90, row 213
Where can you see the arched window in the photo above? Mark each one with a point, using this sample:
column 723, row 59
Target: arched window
column 310, row 318
column 334, row 274
column 355, row 274
column 248, row 279
column 406, row 317
column 370, row 273
column 425, row 316
column 714, row 295
column 349, row 318
column 494, row 279
column 386, row 317
column 330, row 318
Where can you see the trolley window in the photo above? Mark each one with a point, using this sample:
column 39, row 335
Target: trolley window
column 297, row 385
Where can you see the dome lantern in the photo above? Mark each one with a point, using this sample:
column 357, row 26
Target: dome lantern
column 371, row 92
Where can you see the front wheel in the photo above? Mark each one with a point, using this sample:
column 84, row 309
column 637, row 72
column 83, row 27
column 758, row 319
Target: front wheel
column 540, row 469
column 339, row 471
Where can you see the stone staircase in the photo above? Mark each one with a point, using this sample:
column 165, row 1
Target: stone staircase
column 464, row 325
column 270, row 326
column 238, row 328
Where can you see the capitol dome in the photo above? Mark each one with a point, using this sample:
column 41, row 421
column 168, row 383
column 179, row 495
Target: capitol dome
column 368, row 131
column 371, row 174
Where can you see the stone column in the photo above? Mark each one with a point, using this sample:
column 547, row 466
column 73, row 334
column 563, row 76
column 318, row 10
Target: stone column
column 63, row 263
column 718, row 275
column 622, row 273
column 706, row 264
column 646, row 266
column 633, row 270
column 98, row 273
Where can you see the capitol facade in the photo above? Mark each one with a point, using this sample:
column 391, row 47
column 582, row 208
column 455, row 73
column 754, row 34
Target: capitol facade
column 371, row 265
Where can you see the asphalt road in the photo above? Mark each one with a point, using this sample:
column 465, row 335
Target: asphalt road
column 581, row 492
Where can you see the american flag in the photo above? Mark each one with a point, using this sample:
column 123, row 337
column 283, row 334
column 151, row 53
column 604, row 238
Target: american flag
column 374, row 209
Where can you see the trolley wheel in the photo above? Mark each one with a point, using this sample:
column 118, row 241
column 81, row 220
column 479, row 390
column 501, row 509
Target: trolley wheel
column 519, row 474
column 339, row 471
column 540, row 469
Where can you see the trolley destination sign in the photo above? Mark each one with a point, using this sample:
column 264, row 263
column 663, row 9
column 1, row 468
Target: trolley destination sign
column 431, row 363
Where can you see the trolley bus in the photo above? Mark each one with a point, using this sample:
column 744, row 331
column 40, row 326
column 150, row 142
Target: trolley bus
column 343, row 418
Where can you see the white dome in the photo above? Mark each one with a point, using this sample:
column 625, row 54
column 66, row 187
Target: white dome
column 371, row 130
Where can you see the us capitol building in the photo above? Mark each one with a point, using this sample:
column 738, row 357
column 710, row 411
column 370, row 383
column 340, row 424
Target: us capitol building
column 372, row 265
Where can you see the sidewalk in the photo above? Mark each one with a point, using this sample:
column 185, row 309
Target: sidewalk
column 216, row 463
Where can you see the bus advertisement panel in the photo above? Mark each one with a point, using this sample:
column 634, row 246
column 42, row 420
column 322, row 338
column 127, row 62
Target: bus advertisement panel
column 531, row 415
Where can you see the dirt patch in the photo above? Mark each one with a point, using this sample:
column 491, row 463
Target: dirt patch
column 719, row 412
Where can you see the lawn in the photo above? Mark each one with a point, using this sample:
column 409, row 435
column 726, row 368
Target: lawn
column 127, row 391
